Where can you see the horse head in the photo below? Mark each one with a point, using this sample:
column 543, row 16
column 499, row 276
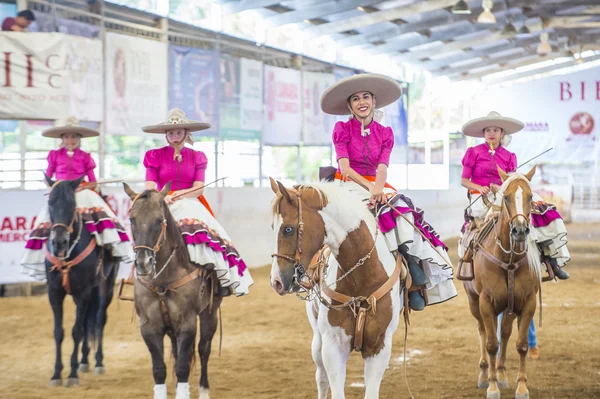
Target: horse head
column 62, row 208
column 300, row 233
column 517, row 202
column 148, row 216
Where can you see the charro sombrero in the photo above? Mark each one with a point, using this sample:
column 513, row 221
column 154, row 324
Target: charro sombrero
column 176, row 120
column 386, row 90
column 475, row 127
column 69, row 125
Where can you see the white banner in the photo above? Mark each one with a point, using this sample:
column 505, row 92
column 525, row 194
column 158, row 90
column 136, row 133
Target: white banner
column 50, row 76
column 560, row 111
column 282, row 117
column 136, row 83
column 19, row 219
column 251, row 106
column 318, row 126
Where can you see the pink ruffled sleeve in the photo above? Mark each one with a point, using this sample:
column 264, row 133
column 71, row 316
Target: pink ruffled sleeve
column 468, row 163
column 89, row 167
column 512, row 163
column 152, row 165
column 386, row 146
column 51, row 164
column 341, row 138
column 200, row 161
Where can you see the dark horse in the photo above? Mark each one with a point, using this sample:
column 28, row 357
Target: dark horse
column 170, row 292
column 75, row 265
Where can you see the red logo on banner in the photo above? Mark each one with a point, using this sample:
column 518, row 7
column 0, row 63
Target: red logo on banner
column 581, row 123
column 17, row 228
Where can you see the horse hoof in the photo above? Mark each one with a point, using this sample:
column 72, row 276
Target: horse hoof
column 483, row 384
column 55, row 383
column 99, row 371
column 72, row 382
column 203, row 393
column 522, row 395
column 493, row 395
column 83, row 368
column 502, row 384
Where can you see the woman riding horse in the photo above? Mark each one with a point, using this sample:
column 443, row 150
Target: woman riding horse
column 481, row 177
column 363, row 147
column 70, row 162
column 207, row 241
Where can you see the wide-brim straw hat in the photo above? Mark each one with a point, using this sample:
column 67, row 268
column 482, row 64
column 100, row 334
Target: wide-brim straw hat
column 69, row 125
column 176, row 120
column 386, row 90
column 475, row 127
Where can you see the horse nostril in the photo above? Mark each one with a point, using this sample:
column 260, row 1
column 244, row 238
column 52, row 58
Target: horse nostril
column 527, row 231
column 514, row 231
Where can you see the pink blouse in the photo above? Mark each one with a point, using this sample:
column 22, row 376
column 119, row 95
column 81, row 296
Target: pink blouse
column 479, row 165
column 364, row 153
column 66, row 167
column 161, row 168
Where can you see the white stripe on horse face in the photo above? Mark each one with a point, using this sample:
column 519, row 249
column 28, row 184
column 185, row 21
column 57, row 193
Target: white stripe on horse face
column 275, row 272
column 519, row 204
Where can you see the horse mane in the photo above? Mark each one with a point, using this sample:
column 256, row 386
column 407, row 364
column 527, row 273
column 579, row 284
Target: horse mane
column 533, row 252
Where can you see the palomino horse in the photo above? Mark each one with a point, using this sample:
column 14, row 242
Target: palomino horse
column 75, row 265
column 361, row 275
column 506, row 268
column 170, row 293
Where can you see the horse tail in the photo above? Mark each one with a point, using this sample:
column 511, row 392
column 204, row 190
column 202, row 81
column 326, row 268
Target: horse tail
column 91, row 316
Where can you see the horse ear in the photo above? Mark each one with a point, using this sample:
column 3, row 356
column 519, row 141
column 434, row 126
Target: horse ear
column 530, row 174
column 274, row 186
column 165, row 191
column 75, row 183
column 49, row 181
column 129, row 191
column 503, row 174
column 284, row 191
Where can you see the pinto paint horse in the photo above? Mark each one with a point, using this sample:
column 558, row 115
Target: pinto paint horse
column 307, row 218
column 507, row 278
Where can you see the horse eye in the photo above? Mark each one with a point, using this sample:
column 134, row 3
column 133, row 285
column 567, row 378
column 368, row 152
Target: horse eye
column 288, row 230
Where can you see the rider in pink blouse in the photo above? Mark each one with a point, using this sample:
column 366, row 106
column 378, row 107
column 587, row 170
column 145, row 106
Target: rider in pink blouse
column 363, row 147
column 70, row 164
column 481, row 177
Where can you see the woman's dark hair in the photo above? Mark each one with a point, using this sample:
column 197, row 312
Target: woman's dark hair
column 27, row 14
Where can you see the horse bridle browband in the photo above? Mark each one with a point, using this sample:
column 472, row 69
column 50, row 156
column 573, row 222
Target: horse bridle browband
column 159, row 241
column 299, row 269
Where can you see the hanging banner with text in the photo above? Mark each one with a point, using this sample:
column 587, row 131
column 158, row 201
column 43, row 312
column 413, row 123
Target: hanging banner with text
column 241, row 98
column 283, row 117
column 136, row 87
column 559, row 111
column 318, row 126
column 50, row 76
column 194, row 85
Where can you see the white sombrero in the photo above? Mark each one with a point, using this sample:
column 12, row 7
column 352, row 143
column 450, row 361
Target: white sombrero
column 176, row 120
column 334, row 100
column 475, row 127
column 69, row 125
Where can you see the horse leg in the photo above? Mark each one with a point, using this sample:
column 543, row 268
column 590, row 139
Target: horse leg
column 57, row 297
column 105, row 298
column 375, row 368
column 208, row 326
column 482, row 381
column 506, row 331
column 489, row 318
column 335, row 352
column 316, row 348
column 88, row 328
column 82, row 301
column 524, row 320
column 154, row 342
column 186, row 338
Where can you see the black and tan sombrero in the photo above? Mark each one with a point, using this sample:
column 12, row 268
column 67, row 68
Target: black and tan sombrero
column 386, row 90
column 176, row 120
column 69, row 125
column 475, row 127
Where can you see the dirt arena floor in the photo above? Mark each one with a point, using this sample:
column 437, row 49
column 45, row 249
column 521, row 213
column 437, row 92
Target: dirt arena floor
column 266, row 346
